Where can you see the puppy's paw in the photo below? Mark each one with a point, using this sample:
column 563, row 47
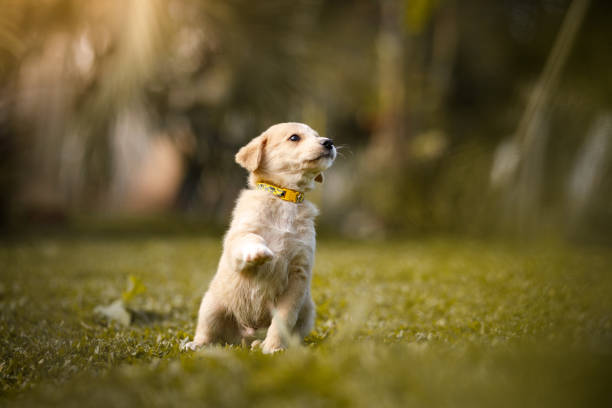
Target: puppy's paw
column 271, row 345
column 197, row 343
column 192, row 346
column 255, row 254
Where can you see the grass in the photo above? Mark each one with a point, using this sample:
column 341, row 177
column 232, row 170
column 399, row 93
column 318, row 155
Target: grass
column 435, row 322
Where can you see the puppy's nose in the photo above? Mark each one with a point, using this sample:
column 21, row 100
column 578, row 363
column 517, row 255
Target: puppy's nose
column 328, row 143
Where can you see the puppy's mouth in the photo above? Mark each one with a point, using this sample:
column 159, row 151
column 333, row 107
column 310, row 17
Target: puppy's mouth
column 327, row 155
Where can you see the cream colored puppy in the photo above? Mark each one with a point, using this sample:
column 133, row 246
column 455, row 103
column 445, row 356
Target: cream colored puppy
column 263, row 277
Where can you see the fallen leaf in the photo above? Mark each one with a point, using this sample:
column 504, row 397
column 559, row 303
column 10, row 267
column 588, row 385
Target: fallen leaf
column 116, row 311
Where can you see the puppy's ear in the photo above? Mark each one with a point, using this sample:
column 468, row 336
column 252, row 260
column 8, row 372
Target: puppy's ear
column 250, row 156
column 319, row 178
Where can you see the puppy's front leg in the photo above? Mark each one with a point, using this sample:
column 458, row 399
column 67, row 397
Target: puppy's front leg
column 248, row 250
column 286, row 311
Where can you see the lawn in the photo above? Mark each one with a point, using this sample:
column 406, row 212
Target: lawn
column 421, row 322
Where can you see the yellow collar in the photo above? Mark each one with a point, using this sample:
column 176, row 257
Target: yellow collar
column 282, row 193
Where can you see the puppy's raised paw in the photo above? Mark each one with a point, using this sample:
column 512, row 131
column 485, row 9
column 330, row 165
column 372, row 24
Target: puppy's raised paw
column 255, row 254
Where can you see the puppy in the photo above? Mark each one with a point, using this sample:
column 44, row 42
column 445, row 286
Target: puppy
column 263, row 277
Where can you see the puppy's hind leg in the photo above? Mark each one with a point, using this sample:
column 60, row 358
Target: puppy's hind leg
column 306, row 318
column 215, row 324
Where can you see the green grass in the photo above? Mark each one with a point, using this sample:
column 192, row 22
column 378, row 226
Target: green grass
column 438, row 322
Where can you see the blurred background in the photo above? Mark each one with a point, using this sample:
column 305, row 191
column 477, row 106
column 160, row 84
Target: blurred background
column 488, row 118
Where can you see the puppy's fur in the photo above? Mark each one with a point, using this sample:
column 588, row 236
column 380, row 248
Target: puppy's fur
column 263, row 277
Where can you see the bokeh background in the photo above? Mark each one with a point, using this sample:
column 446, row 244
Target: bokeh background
column 466, row 117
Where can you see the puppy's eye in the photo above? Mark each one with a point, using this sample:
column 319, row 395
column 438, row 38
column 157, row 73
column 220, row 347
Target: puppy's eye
column 294, row 138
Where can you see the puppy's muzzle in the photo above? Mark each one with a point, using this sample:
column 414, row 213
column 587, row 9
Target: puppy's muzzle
column 329, row 150
column 328, row 143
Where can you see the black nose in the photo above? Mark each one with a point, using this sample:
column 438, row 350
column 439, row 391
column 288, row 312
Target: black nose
column 328, row 143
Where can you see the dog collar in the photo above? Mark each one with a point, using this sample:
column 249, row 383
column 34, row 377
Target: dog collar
column 282, row 193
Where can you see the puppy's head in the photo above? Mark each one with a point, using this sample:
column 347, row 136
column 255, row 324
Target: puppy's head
column 290, row 155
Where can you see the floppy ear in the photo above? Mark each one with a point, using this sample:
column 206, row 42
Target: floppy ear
column 249, row 156
column 319, row 178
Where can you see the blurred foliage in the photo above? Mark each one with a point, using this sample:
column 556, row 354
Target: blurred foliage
column 139, row 106
column 134, row 288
